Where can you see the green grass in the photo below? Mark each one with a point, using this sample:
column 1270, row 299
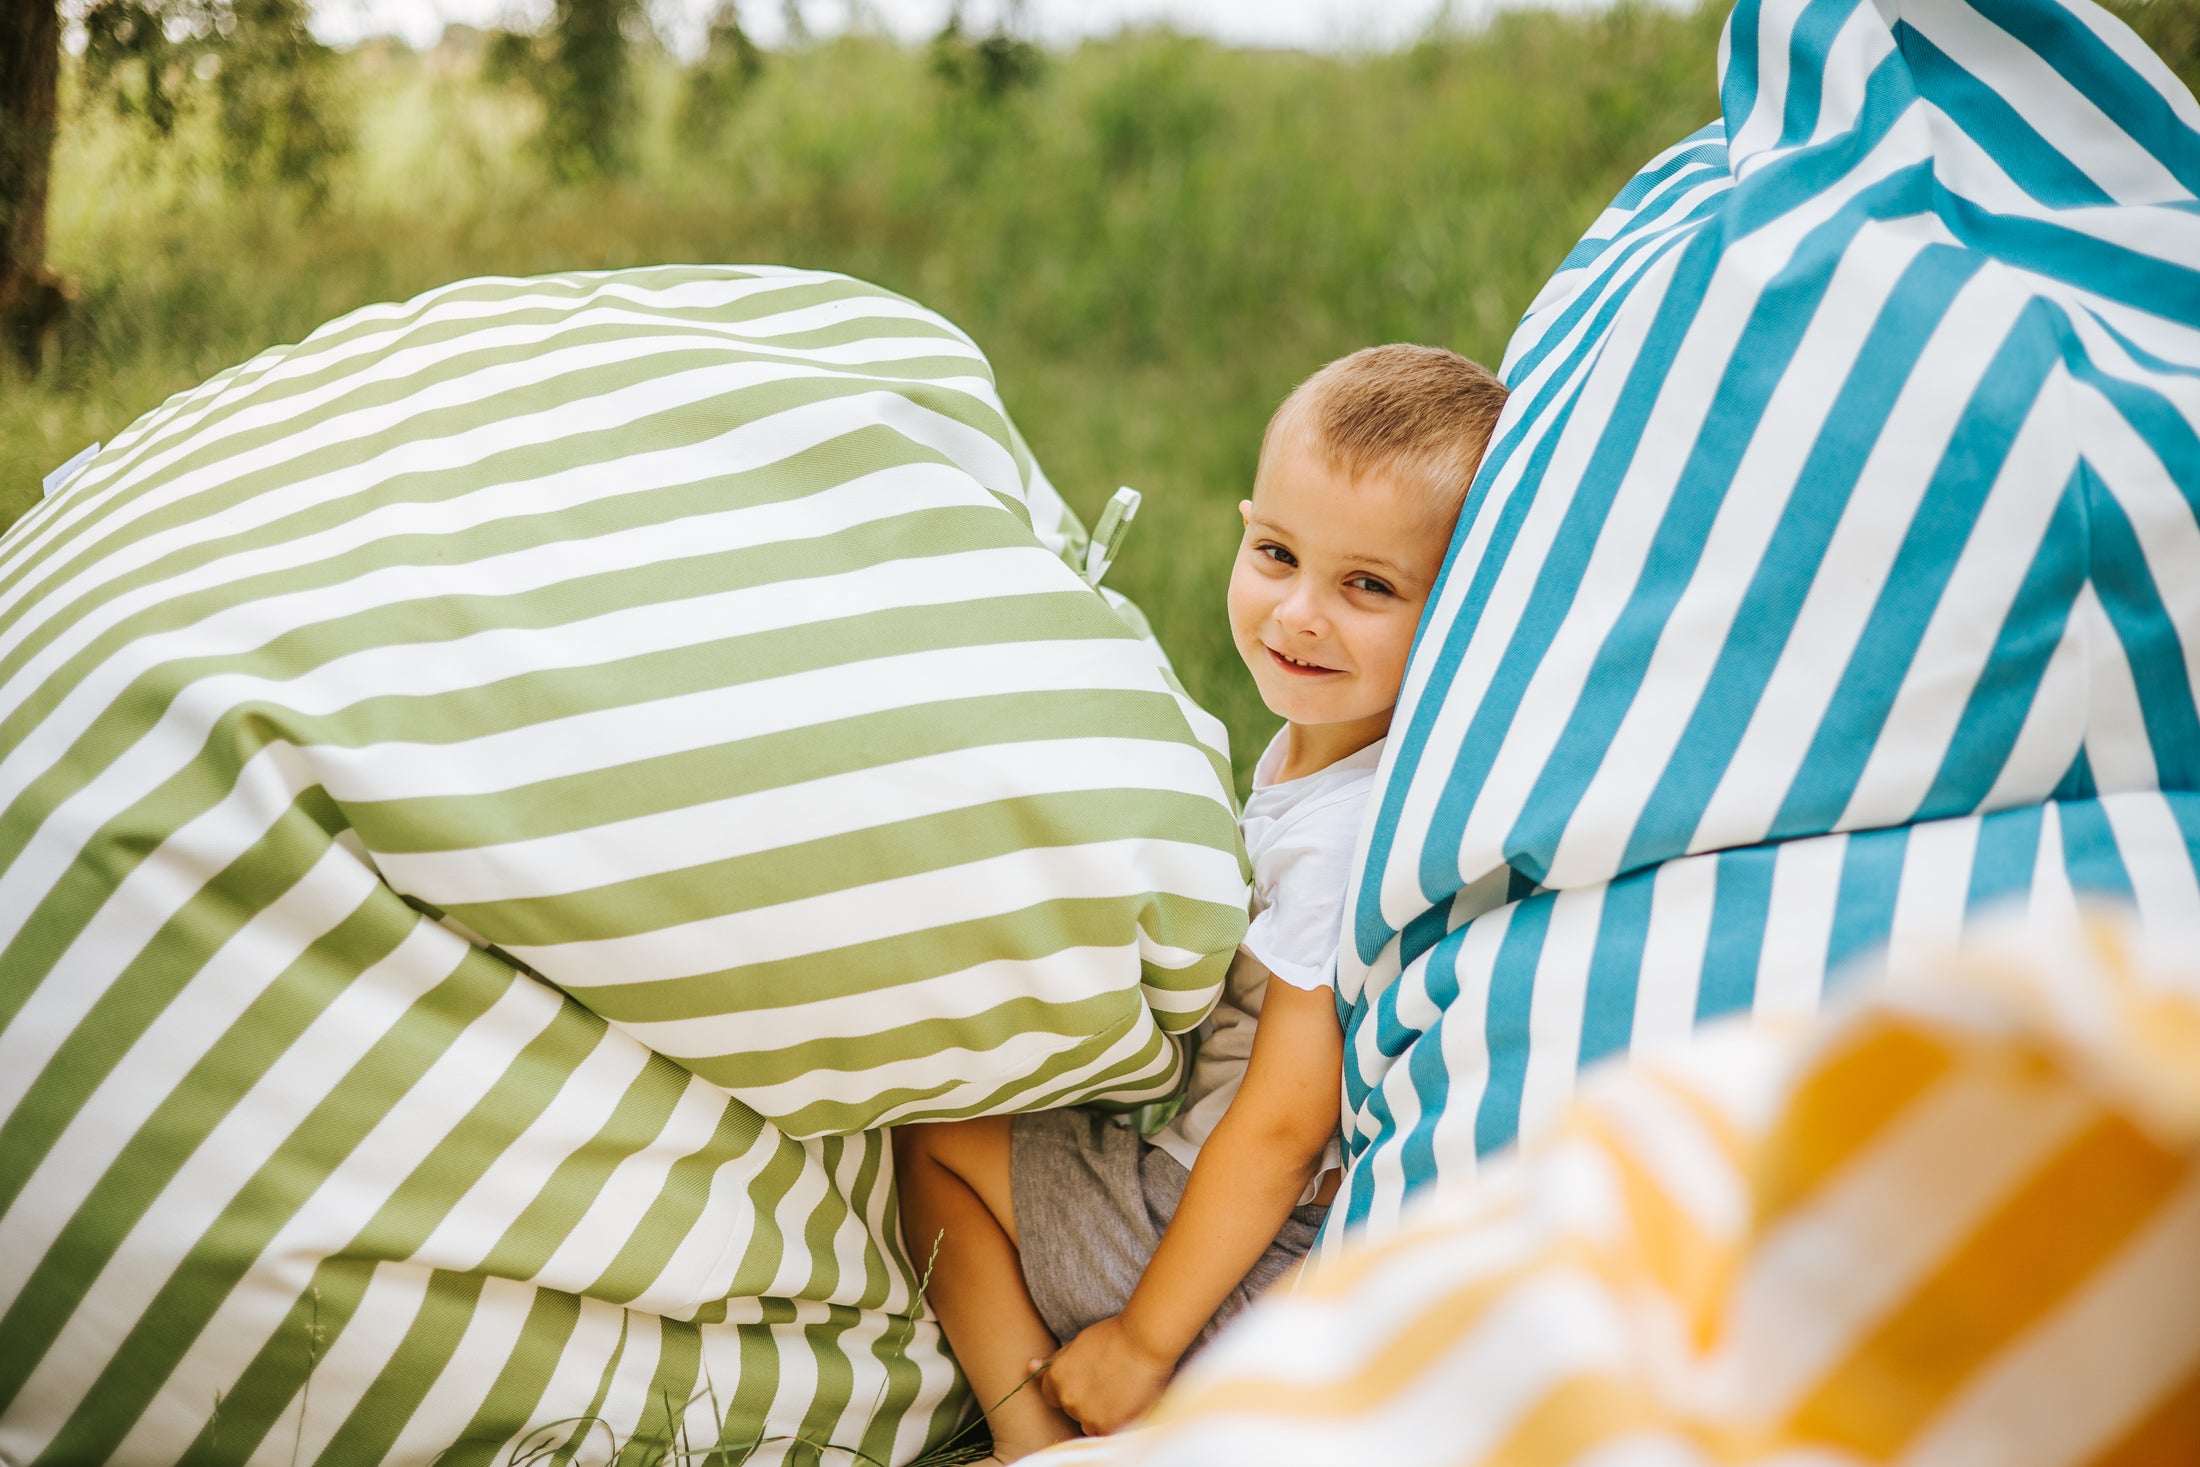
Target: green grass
column 1153, row 241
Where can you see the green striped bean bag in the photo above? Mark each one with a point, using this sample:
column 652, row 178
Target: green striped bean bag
column 498, row 802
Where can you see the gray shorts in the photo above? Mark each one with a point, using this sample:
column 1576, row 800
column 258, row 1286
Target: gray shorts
column 1091, row 1200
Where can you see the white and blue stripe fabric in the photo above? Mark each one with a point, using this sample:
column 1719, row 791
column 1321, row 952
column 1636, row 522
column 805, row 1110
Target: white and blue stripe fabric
column 1834, row 573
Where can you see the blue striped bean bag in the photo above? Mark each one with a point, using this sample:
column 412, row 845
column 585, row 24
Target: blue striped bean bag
column 1834, row 574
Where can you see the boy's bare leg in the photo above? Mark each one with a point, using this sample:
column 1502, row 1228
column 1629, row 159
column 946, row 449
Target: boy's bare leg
column 953, row 1180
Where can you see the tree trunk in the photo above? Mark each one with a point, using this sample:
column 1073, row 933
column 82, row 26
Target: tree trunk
column 31, row 299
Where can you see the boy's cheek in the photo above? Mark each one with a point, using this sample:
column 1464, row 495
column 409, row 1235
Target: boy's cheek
column 1390, row 663
column 1249, row 651
column 1243, row 605
column 1245, row 652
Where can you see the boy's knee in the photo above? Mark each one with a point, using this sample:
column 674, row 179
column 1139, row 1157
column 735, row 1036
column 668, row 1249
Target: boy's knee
column 938, row 1142
column 971, row 1150
column 912, row 1145
column 945, row 1160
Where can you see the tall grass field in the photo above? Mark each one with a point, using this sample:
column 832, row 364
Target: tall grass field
column 1153, row 237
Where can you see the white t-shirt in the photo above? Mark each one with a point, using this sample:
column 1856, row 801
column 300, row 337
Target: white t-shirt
column 1300, row 835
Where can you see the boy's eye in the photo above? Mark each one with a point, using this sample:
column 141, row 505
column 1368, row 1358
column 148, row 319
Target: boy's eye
column 1276, row 553
column 1371, row 584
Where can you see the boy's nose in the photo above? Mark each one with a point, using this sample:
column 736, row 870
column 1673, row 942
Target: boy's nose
column 1301, row 610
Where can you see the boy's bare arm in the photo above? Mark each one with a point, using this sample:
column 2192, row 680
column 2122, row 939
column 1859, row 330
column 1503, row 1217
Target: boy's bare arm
column 1249, row 1174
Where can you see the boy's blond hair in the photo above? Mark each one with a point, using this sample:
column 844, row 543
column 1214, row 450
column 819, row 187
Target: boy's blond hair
column 1420, row 414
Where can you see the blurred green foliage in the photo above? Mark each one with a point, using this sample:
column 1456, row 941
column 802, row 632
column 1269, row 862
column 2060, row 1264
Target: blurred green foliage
column 987, row 65
column 719, row 81
column 248, row 71
column 586, row 86
column 2171, row 27
column 1153, row 237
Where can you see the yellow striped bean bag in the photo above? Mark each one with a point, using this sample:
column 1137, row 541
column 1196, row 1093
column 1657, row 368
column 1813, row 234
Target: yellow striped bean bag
column 1957, row 1222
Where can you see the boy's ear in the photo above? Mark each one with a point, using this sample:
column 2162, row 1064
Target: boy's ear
column 1245, row 512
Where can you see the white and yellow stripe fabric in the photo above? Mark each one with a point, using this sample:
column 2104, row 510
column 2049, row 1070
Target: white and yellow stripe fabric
column 1957, row 1222
column 497, row 802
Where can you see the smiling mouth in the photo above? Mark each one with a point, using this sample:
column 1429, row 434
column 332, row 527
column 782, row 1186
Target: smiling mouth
column 1293, row 665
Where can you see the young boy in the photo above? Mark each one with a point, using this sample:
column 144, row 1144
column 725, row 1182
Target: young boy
column 1059, row 1226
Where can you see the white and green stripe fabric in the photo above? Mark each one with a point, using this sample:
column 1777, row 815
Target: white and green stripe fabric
column 498, row 802
column 1834, row 573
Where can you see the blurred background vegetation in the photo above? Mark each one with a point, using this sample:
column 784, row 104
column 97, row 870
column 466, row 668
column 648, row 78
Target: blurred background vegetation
column 1153, row 236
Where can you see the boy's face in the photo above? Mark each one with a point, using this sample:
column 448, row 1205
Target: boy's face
column 1327, row 589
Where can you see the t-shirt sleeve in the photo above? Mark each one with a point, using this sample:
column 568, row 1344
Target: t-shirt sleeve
column 1301, row 878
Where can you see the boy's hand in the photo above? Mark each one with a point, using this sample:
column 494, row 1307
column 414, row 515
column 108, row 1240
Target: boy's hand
column 1104, row 1379
column 1262, row 1152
